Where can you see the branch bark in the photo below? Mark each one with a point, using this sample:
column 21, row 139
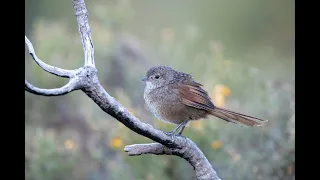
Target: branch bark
column 85, row 78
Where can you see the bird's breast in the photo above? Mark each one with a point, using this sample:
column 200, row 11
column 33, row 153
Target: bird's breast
column 165, row 105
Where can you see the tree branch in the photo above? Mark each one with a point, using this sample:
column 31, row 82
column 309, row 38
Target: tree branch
column 151, row 148
column 50, row 92
column 51, row 69
column 190, row 152
column 81, row 13
column 85, row 78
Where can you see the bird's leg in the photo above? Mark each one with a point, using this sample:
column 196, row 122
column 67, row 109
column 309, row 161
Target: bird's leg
column 175, row 129
column 173, row 132
column 184, row 124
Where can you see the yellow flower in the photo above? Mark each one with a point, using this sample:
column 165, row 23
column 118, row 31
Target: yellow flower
column 220, row 88
column 216, row 144
column 219, row 93
column 197, row 125
column 116, row 142
column 69, row 144
column 219, row 100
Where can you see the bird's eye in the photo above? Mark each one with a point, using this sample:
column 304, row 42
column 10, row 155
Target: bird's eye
column 157, row 76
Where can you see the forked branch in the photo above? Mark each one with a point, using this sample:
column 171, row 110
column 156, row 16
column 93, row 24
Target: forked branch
column 85, row 78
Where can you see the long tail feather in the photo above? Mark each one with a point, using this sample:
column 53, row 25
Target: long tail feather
column 237, row 118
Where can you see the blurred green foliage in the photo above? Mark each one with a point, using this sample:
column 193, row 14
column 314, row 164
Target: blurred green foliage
column 246, row 46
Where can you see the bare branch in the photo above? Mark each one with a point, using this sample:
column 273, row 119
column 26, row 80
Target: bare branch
column 85, row 31
column 71, row 86
column 85, row 78
column 51, row 69
column 151, row 148
column 189, row 151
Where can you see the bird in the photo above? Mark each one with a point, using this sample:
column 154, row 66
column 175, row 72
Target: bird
column 176, row 98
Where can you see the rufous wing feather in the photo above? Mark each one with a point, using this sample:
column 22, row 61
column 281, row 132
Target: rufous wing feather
column 194, row 96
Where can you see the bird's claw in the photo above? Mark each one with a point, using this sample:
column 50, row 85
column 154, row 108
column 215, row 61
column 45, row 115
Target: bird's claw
column 172, row 135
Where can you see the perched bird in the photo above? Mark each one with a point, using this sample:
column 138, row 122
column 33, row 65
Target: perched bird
column 175, row 97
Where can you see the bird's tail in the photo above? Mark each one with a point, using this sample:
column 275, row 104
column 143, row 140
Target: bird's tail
column 236, row 118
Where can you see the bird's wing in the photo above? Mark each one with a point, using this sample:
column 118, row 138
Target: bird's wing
column 193, row 95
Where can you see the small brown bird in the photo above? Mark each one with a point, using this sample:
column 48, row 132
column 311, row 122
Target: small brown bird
column 176, row 98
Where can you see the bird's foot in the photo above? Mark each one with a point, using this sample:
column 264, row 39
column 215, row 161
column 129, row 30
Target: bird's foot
column 172, row 135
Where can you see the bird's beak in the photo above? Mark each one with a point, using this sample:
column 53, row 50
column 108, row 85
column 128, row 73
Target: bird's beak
column 144, row 79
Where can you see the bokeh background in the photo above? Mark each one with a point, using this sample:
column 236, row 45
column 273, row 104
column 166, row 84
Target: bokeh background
column 242, row 51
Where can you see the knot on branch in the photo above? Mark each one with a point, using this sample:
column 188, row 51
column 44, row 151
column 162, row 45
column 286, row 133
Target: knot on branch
column 86, row 72
column 86, row 76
